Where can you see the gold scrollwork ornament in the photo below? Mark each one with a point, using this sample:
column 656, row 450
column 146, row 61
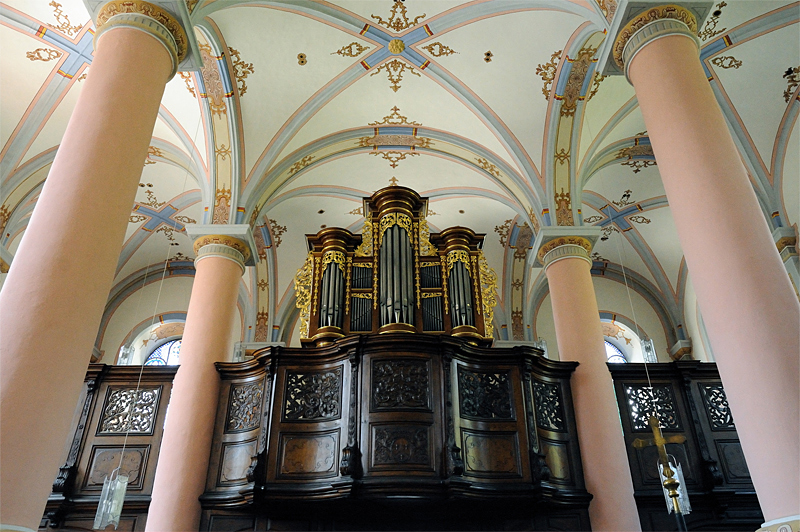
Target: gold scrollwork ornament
column 302, row 289
column 488, row 294
column 457, row 255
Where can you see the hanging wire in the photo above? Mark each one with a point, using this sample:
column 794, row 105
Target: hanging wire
column 155, row 309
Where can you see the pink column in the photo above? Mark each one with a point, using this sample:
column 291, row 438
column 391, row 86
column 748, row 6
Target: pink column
column 189, row 427
column 53, row 298
column 748, row 304
column 580, row 339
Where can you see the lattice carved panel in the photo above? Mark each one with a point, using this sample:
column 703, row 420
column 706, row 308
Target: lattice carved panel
column 549, row 406
column 717, row 408
column 484, row 395
column 127, row 410
column 244, row 407
column 642, row 403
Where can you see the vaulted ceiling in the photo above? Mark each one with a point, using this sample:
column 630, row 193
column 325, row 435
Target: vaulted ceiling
column 490, row 108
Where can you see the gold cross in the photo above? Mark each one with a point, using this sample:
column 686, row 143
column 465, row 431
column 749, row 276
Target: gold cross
column 393, row 181
column 671, row 484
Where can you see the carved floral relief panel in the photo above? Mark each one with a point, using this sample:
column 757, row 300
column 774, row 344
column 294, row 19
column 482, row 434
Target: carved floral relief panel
column 244, row 407
column 106, row 459
column 308, row 455
column 400, row 384
column 401, row 445
column 495, row 454
column 549, row 407
column 313, row 395
column 717, row 408
column 644, row 401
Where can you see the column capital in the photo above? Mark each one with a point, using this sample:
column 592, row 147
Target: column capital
column 556, row 243
column 231, row 241
column 166, row 20
column 637, row 23
column 786, row 242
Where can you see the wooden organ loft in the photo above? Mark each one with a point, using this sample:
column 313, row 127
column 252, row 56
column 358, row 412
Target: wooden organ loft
column 396, row 413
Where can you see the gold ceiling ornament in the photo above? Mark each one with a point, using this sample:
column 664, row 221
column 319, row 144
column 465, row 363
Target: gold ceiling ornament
column 562, row 156
column 547, row 72
column 214, row 91
column 564, row 208
column 43, row 54
column 398, row 19
column 393, row 156
column 534, row 221
column 792, row 75
column 597, row 257
column 358, row 211
column 152, row 151
column 593, row 219
column 185, row 219
column 395, row 140
column 651, row 15
column 393, row 181
column 396, row 46
column 608, row 7
column 302, row 291
column 637, row 150
column 726, row 61
column 64, row 25
column 262, row 326
column 152, row 201
column 140, row 7
column 223, row 152
column 577, row 75
column 395, row 119
column 503, row 230
column 438, row 49
column 241, row 69
column 353, row 49
column 187, row 78
column 395, row 70
column 277, row 232
column 302, row 163
column 486, row 165
column 710, row 27
column 488, row 293
column 624, row 200
column 169, row 232
column 612, row 330
column 262, row 284
column 221, row 206
column 136, row 218
column 607, row 230
column 639, row 219
column 598, row 78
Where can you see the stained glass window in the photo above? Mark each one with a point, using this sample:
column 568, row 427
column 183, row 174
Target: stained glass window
column 167, row 354
column 614, row 355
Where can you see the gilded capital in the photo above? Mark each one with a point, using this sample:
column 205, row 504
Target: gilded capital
column 652, row 24
column 146, row 17
column 240, row 246
column 565, row 248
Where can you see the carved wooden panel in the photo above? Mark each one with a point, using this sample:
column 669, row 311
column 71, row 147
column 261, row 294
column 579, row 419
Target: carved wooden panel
column 106, row 459
column 484, row 396
column 401, row 445
column 734, row 466
column 549, row 406
column 647, row 458
column 129, row 410
column 236, row 458
column 313, row 395
column 400, row 384
column 305, row 455
column 556, row 456
column 494, row 454
column 716, row 404
column 244, row 407
column 641, row 401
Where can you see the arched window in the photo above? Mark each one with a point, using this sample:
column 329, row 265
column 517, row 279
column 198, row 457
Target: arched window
column 167, row 354
column 614, row 355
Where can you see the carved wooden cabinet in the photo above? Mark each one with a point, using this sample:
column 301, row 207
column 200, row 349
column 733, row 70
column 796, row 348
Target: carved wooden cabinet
column 690, row 400
column 111, row 408
column 441, row 433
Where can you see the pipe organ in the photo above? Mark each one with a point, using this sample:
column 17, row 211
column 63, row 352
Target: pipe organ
column 395, row 276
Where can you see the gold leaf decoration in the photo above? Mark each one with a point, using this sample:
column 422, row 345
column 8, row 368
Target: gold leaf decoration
column 438, row 49
column 241, row 70
column 277, row 231
column 548, row 73
column 43, row 54
column 398, row 19
column 564, row 208
column 302, row 163
column 353, row 49
column 792, row 75
column 187, row 78
column 302, row 290
column 394, row 157
column 221, row 207
column 710, row 27
column 503, row 231
column 63, row 21
column 394, row 70
column 395, row 119
column 489, row 167
column 726, row 61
